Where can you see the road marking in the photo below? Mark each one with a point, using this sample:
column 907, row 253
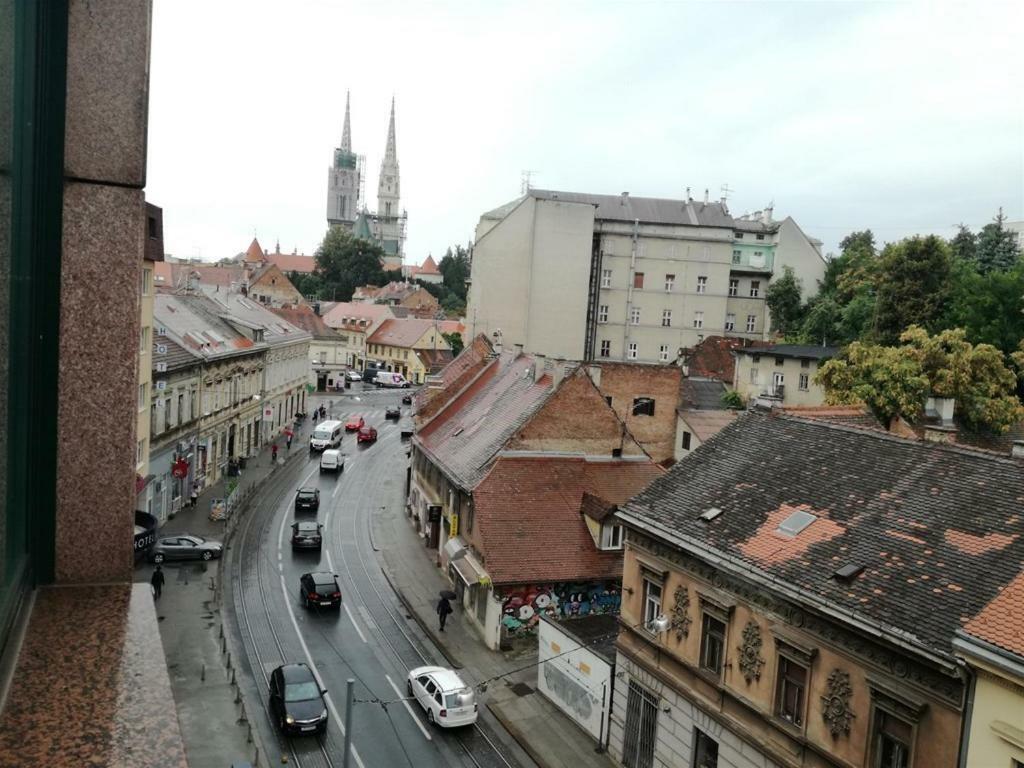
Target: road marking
column 330, row 567
column 370, row 623
column 312, row 666
column 405, row 703
column 337, row 487
column 306, row 480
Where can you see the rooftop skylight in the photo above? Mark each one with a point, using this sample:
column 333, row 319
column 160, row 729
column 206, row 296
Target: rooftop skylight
column 796, row 522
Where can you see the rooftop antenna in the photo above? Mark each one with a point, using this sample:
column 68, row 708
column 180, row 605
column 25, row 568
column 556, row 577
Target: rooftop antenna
column 726, row 190
column 524, row 184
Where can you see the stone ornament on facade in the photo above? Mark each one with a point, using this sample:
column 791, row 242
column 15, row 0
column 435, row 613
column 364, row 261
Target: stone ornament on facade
column 835, row 706
column 681, row 613
column 750, row 652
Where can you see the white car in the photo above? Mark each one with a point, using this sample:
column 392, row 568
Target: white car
column 354, row 376
column 449, row 702
column 331, row 460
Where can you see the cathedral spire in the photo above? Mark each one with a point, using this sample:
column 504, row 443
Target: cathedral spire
column 391, row 154
column 346, row 132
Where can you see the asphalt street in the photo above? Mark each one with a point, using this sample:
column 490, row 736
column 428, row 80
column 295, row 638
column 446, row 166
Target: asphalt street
column 370, row 639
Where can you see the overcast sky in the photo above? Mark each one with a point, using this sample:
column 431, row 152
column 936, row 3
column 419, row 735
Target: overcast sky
column 902, row 118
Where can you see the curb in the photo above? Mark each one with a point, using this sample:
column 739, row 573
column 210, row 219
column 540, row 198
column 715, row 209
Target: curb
column 520, row 738
column 449, row 656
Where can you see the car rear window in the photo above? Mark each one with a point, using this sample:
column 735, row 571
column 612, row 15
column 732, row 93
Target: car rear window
column 327, row 584
column 307, row 527
column 463, row 698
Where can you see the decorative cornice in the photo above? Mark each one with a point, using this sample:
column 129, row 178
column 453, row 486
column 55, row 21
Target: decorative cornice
column 750, row 652
column 871, row 653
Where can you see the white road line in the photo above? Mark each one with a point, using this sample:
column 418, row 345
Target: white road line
column 337, row 487
column 306, row 480
column 330, row 567
column 405, row 703
column 312, row 666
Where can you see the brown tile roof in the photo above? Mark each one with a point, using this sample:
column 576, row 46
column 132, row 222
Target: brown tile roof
column 403, row 332
column 713, row 358
column 371, row 312
column 293, row 262
column 429, row 267
column 434, row 360
column 939, row 530
column 528, row 512
column 208, row 274
column 853, row 415
column 453, row 378
column 1001, row 622
column 707, row 424
column 254, row 252
column 305, row 318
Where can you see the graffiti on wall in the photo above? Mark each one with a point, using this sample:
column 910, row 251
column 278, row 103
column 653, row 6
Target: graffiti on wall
column 572, row 693
column 521, row 607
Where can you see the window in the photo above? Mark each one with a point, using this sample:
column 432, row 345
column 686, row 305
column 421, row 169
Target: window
column 140, row 452
column 143, row 396
column 687, row 438
column 705, row 750
column 631, row 353
column 753, row 375
column 670, row 282
column 778, row 381
column 712, row 643
column 804, row 382
column 643, row 406
column 780, row 361
column 702, row 284
column 893, row 738
column 760, row 237
column 611, row 537
column 734, row 286
column 666, row 318
column 738, row 235
column 143, row 339
column 147, row 280
column 652, row 601
column 755, row 288
column 730, row 321
column 698, row 319
column 736, row 257
column 641, row 729
column 751, row 322
column 663, row 353
column 792, row 684
column 606, row 278
column 602, row 313
column 634, row 315
column 638, row 279
column 606, row 348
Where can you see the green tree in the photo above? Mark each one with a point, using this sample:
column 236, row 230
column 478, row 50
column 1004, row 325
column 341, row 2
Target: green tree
column 912, row 286
column 455, row 340
column 997, row 247
column 344, row 262
column 308, row 284
column 989, row 307
column 454, row 267
column 732, row 400
column 964, row 245
column 784, row 303
column 822, row 321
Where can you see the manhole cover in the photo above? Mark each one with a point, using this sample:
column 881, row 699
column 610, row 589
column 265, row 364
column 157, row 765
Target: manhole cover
column 522, row 689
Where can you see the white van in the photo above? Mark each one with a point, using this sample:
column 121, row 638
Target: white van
column 331, row 460
column 326, row 435
column 390, row 379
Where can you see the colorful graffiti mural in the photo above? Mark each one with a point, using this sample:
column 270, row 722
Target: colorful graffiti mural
column 521, row 607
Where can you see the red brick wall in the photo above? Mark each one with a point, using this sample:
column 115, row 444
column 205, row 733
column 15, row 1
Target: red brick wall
column 626, row 382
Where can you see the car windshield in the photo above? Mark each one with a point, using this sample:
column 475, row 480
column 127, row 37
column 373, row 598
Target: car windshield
column 463, row 698
column 301, row 691
column 321, row 434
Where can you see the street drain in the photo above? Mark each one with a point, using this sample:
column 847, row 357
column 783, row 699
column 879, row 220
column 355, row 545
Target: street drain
column 521, row 689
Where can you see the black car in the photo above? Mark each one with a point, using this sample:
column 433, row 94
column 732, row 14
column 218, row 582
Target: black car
column 307, row 500
column 185, row 546
column 307, row 535
column 320, row 589
column 393, row 413
column 297, row 700
column 406, row 399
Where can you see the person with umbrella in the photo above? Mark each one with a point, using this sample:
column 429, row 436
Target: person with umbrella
column 444, row 607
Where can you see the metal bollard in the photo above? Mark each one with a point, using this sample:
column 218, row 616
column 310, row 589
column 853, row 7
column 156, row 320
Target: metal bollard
column 229, row 659
column 202, row 675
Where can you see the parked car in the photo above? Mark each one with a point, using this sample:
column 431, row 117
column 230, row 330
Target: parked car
column 319, row 588
column 448, row 701
column 354, row 423
column 332, row 461
column 406, row 399
column 391, row 379
column 307, row 535
column 367, row 435
column 307, row 500
column 393, row 412
column 297, row 700
column 354, row 376
column 185, row 546
column 406, row 428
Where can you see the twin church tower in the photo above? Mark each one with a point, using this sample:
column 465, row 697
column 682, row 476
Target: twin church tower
column 345, row 205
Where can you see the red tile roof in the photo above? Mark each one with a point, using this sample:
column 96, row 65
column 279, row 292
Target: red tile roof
column 453, row 378
column 531, row 528
column 371, row 312
column 434, row 360
column 1001, row 622
column 293, row 262
column 429, row 267
column 254, row 252
column 713, row 359
column 403, row 333
column 305, row 318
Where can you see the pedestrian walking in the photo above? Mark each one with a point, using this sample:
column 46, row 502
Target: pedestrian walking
column 443, row 609
column 288, row 442
column 157, row 580
column 273, row 452
column 195, row 493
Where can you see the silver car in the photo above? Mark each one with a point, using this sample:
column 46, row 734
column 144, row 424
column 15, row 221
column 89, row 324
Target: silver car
column 185, row 546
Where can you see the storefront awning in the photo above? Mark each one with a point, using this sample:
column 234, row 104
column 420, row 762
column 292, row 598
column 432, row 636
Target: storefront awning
column 468, row 569
column 455, row 548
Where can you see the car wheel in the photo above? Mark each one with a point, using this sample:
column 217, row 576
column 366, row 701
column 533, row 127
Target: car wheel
column 430, row 717
column 207, row 555
column 408, row 688
column 158, row 557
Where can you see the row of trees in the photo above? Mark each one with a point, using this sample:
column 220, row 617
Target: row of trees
column 922, row 316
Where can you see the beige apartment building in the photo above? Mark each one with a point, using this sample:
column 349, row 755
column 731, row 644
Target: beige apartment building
column 782, row 373
column 616, row 277
column 152, row 252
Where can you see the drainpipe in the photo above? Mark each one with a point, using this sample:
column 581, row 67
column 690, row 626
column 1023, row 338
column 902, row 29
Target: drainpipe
column 629, row 290
column 965, row 724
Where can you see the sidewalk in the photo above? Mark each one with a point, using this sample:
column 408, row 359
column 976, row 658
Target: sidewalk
column 212, row 718
column 538, row 726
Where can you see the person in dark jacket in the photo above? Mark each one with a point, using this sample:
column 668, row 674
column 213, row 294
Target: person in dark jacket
column 443, row 609
column 157, row 580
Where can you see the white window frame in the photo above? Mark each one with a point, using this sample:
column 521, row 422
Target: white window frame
column 663, row 353
column 631, row 351
column 652, row 604
column 606, row 348
column 602, row 313
column 698, row 319
column 734, row 286
column 634, row 315
column 702, row 284
column 666, row 318
column 751, row 323
column 670, row 283
column 730, row 321
column 755, row 289
column 606, row 278
column 804, row 383
column 611, row 536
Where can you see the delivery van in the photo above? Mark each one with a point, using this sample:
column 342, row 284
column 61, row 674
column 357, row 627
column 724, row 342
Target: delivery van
column 331, row 460
column 390, row 379
column 327, row 434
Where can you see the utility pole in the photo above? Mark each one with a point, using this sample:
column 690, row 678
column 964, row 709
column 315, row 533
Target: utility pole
column 349, row 690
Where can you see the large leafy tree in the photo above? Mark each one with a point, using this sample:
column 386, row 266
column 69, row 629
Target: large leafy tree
column 345, row 262
column 308, row 284
column 997, row 247
column 964, row 245
column 989, row 307
column 912, row 286
column 454, row 268
column 784, row 303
